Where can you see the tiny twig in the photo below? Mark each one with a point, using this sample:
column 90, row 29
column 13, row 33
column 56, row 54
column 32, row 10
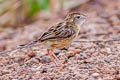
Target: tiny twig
column 27, row 45
column 98, row 41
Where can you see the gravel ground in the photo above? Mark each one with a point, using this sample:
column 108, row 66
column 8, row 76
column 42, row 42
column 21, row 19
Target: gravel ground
column 93, row 56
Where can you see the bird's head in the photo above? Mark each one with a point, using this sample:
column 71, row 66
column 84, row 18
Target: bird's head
column 77, row 18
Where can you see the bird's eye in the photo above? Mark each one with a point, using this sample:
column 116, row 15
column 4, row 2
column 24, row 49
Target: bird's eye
column 78, row 17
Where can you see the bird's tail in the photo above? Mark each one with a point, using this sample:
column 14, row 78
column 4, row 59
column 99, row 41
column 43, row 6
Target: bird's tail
column 30, row 44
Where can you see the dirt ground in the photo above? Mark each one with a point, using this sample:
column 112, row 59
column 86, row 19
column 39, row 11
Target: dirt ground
column 94, row 55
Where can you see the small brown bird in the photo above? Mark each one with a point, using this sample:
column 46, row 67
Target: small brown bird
column 61, row 34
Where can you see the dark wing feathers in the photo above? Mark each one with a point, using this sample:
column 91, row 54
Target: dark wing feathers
column 58, row 32
column 66, row 32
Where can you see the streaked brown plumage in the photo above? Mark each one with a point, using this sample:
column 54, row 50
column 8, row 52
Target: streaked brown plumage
column 61, row 34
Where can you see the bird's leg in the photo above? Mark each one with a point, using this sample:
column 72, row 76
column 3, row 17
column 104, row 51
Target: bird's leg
column 61, row 64
column 52, row 57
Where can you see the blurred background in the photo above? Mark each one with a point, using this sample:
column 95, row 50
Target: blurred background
column 24, row 20
column 16, row 13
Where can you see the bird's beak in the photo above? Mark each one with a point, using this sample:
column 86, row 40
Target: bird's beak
column 84, row 17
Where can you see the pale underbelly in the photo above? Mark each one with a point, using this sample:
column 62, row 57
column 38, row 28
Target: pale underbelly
column 58, row 44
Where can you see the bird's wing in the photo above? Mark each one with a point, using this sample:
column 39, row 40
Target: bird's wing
column 59, row 31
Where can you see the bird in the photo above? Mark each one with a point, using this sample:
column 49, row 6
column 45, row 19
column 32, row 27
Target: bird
column 61, row 35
